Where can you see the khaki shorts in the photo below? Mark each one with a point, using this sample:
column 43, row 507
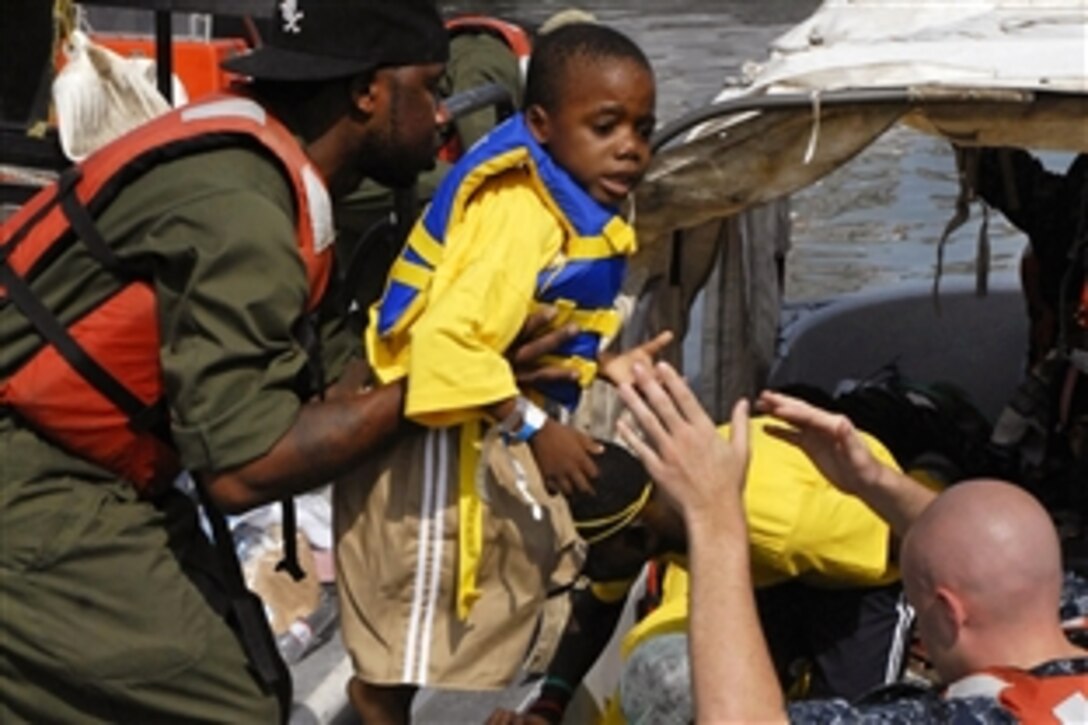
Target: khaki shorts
column 396, row 523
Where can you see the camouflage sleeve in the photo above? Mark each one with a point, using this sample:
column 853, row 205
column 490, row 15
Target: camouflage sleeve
column 1074, row 599
column 922, row 708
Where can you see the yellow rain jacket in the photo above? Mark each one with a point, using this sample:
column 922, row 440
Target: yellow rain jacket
column 799, row 526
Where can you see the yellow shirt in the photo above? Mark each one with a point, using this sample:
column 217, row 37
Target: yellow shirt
column 481, row 293
column 799, row 526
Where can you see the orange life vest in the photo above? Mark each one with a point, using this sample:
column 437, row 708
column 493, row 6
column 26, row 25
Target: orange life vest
column 96, row 387
column 1057, row 699
column 1053, row 699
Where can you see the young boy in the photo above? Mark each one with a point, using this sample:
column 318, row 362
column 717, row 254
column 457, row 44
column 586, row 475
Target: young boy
column 812, row 546
column 447, row 546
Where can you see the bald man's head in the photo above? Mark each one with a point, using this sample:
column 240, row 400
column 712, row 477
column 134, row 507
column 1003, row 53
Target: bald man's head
column 981, row 565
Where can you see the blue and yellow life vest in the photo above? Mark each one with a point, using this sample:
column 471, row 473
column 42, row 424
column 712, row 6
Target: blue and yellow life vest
column 582, row 282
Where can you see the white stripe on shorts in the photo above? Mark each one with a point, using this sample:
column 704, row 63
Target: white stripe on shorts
column 426, row 511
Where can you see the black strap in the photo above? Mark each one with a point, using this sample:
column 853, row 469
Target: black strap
column 376, row 249
column 311, row 380
column 81, row 221
column 290, row 563
column 247, row 611
column 406, row 209
column 314, row 384
column 677, row 258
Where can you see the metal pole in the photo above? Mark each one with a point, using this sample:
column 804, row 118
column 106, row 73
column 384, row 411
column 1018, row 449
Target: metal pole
column 164, row 54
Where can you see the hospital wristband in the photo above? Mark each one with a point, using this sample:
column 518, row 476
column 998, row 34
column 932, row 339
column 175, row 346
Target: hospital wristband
column 528, row 418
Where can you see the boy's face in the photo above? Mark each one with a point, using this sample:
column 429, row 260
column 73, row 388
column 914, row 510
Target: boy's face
column 600, row 130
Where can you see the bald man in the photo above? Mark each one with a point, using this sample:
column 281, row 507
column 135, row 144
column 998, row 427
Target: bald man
column 981, row 564
column 982, row 567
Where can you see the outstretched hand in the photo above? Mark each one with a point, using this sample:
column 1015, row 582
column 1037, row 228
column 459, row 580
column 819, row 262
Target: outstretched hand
column 829, row 439
column 617, row 368
column 702, row 472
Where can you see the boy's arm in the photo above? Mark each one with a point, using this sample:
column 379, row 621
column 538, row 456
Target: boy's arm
column 562, row 453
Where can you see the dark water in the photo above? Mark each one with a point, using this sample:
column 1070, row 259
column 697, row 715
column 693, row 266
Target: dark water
column 874, row 221
column 693, row 46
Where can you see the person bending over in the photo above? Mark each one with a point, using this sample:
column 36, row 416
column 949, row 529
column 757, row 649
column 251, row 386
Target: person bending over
column 829, row 593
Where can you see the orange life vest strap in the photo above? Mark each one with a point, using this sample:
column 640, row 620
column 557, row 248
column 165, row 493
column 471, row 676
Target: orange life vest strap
column 27, row 235
column 515, row 36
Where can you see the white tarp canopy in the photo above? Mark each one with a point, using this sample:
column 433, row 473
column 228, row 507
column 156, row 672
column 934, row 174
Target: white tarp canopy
column 712, row 213
column 998, row 73
column 1020, row 44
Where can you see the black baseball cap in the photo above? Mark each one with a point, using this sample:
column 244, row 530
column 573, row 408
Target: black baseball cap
column 313, row 40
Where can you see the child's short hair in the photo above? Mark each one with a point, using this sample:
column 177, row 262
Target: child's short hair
column 554, row 51
column 622, row 488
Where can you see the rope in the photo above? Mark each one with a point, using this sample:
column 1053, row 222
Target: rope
column 65, row 20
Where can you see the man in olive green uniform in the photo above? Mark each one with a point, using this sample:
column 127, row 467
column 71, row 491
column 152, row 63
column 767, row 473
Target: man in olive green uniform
column 108, row 601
